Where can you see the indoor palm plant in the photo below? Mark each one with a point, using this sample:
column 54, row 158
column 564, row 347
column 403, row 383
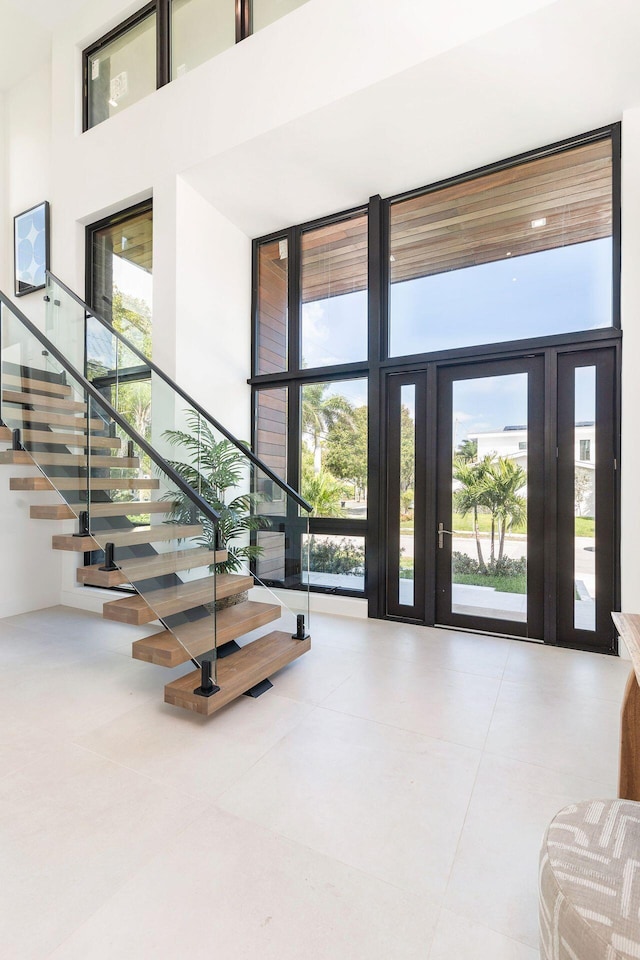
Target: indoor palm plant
column 215, row 469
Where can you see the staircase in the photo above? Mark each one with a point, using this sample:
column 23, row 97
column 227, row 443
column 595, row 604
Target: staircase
column 147, row 524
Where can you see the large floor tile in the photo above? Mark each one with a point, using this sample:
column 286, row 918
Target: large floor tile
column 495, row 873
column 445, row 704
column 457, row 938
column 567, row 671
column 234, row 891
column 73, row 828
column 383, row 800
column 198, row 755
column 575, row 734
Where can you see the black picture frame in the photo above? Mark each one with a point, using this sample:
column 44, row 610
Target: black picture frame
column 31, row 244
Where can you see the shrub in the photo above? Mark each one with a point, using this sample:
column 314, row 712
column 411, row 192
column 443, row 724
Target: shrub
column 505, row 567
column 336, row 556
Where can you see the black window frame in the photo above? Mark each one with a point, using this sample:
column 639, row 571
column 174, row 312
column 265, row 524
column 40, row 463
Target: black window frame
column 380, row 364
column 162, row 8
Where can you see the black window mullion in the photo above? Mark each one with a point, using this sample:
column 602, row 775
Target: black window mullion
column 163, row 42
column 376, row 484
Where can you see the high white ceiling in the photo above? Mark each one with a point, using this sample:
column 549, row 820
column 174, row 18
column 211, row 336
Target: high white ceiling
column 565, row 69
column 25, row 34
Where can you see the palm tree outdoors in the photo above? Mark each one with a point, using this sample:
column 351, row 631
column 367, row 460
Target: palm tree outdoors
column 493, row 485
column 320, row 413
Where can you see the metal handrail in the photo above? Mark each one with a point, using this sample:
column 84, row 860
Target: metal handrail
column 192, row 403
column 113, row 414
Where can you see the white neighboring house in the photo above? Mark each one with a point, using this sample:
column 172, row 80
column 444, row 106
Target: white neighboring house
column 511, row 442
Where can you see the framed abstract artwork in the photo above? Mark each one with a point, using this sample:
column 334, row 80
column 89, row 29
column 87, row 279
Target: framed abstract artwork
column 31, row 248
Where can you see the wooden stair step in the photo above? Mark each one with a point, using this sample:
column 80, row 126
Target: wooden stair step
column 27, row 385
column 166, row 650
column 31, row 418
column 43, row 403
column 237, row 673
column 54, row 511
column 66, row 541
column 66, row 439
column 149, row 534
column 16, row 457
column 95, row 577
column 60, row 511
column 98, row 462
column 171, row 562
column 80, row 483
column 159, row 604
column 5, row 435
column 68, row 459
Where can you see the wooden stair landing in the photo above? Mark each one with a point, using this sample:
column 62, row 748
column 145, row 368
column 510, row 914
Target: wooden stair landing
column 237, row 673
column 196, row 638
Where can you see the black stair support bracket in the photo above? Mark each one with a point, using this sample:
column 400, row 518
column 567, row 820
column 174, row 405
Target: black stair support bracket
column 208, row 687
column 16, row 442
column 109, row 564
column 300, row 633
column 83, row 524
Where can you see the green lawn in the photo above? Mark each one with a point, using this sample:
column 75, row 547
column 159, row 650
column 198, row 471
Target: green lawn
column 585, row 526
column 503, row 584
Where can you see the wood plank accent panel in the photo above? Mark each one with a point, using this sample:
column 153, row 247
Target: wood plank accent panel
column 271, row 446
column 628, row 626
column 272, row 308
column 335, row 259
column 237, row 673
column 163, row 603
column 490, row 217
column 197, row 637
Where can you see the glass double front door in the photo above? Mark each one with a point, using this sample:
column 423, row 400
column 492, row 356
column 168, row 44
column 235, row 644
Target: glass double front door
column 501, row 497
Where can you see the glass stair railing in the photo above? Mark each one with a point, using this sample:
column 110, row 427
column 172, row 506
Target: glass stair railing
column 166, row 501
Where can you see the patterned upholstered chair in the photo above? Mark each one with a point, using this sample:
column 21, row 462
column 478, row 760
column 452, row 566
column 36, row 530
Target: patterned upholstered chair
column 590, row 882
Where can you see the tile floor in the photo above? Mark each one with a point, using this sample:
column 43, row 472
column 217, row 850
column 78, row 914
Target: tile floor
column 386, row 799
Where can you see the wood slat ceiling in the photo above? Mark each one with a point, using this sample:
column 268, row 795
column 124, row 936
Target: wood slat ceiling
column 138, row 236
column 470, row 223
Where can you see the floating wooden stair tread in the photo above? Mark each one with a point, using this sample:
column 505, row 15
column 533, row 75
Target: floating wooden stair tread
column 36, row 386
column 120, row 538
column 163, row 603
column 80, row 483
column 69, row 459
column 17, row 457
column 237, row 673
column 31, row 418
column 54, row 511
column 5, row 435
column 66, row 439
column 95, row 577
column 149, row 534
column 30, row 483
column 43, row 403
column 61, row 511
column 171, row 562
column 196, row 638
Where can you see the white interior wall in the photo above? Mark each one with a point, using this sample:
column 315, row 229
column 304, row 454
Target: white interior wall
column 213, row 356
column 630, row 295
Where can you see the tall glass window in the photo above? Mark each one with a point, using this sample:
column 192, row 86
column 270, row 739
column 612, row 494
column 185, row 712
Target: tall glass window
column 200, row 29
column 521, row 252
column 334, row 293
column 121, row 71
column 334, row 448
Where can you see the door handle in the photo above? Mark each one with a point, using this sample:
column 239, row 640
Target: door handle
column 441, row 533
